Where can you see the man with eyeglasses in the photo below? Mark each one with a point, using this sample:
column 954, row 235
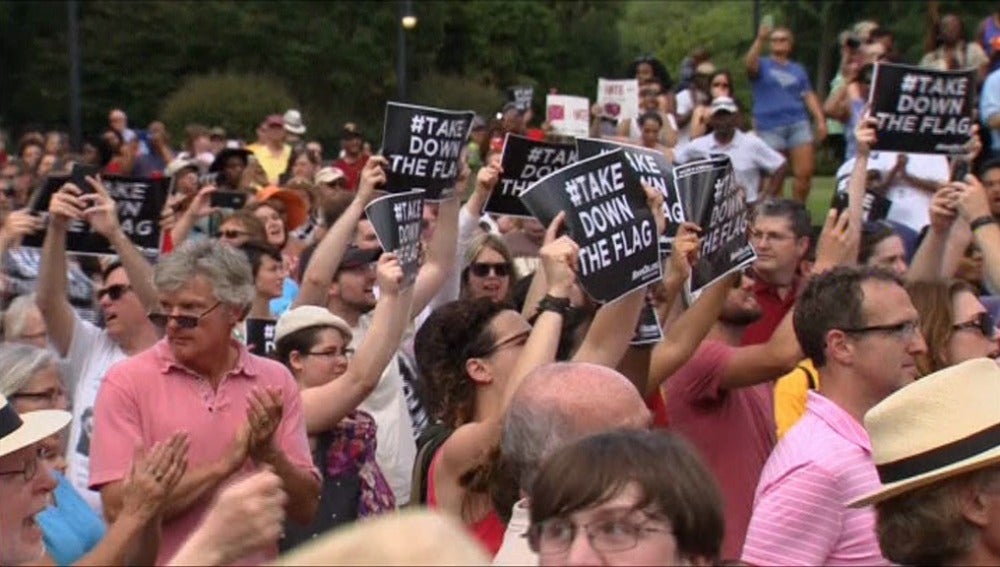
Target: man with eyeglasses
column 862, row 332
column 241, row 412
column 88, row 349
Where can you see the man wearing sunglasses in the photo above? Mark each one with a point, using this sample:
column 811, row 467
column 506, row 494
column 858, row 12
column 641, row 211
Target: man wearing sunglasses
column 242, row 412
column 862, row 332
column 90, row 350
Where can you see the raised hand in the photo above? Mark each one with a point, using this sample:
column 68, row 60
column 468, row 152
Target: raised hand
column 66, row 205
column 372, row 177
column 560, row 259
column 101, row 213
column 18, row 224
column 685, row 250
column 389, row 273
column 865, row 135
column 838, row 243
column 943, row 210
column 654, row 198
column 970, row 198
column 264, row 410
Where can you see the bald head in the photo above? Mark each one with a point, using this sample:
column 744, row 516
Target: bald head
column 561, row 402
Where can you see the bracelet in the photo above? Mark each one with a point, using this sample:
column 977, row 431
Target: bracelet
column 558, row 305
column 982, row 221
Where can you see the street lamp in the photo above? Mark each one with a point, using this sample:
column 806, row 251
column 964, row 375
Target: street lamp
column 407, row 21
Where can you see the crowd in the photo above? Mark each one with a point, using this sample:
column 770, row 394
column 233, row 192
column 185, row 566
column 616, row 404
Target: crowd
column 835, row 403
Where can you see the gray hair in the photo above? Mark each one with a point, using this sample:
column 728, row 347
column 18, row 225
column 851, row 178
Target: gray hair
column 19, row 363
column 531, row 432
column 16, row 316
column 226, row 268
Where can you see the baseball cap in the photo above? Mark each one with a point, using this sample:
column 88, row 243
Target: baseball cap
column 356, row 257
column 328, row 174
column 723, row 104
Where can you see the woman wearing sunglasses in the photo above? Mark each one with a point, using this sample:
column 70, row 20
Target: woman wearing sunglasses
column 625, row 498
column 314, row 345
column 489, row 269
column 953, row 322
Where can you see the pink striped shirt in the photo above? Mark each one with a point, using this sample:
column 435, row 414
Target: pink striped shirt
column 800, row 514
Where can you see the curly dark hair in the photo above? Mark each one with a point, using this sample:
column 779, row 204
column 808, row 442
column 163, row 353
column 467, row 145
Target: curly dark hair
column 454, row 333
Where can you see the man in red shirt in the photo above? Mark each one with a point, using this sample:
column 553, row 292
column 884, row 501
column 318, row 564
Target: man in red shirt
column 780, row 235
column 353, row 159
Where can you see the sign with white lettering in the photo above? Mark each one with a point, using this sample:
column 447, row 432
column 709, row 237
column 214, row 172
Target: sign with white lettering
column 922, row 110
column 607, row 216
column 712, row 200
column 525, row 161
column 424, row 146
column 396, row 219
column 260, row 336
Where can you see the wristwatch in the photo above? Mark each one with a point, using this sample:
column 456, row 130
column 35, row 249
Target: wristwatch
column 982, row 221
column 558, row 305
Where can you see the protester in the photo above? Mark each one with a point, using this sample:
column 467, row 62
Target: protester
column 783, row 99
column 312, row 343
column 625, row 498
column 937, row 502
column 953, row 52
column 353, row 160
column 23, row 322
column 251, row 420
column 268, row 275
column 720, row 85
column 954, row 320
column 229, row 167
column 489, row 269
column 861, row 331
column 124, row 297
column 271, row 151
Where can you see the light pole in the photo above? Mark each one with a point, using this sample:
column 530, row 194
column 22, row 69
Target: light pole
column 407, row 21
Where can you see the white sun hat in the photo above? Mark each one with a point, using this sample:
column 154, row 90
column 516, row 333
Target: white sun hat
column 20, row 431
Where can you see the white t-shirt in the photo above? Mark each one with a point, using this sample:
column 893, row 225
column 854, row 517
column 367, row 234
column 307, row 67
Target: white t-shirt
column 749, row 154
column 685, row 106
column 91, row 353
column 910, row 205
column 397, row 448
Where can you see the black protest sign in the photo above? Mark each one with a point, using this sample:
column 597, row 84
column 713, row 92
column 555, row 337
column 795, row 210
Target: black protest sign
column 922, row 110
column 260, row 336
column 522, row 96
column 874, row 207
column 607, row 216
column 653, row 169
column 524, row 162
column 423, row 146
column 711, row 198
column 648, row 329
column 139, row 202
column 396, row 219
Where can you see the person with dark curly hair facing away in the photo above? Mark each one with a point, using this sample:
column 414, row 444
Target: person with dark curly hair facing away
column 473, row 355
column 626, row 497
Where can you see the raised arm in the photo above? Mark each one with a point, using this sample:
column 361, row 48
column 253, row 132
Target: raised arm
column 330, row 251
column 66, row 206
column 200, row 207
column 103, row 218
column 974, row 208
column 928, row 262
column 752, row 58
column 324, row 406
column 440, row 251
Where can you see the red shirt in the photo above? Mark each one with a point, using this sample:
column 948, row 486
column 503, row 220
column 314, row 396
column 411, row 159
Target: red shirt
column 773, row 310
column 352, row 171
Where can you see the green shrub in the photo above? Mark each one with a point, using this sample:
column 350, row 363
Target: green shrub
column 457, row 93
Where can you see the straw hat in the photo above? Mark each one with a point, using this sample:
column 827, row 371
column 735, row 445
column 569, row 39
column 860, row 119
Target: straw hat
column 942, row 425
column 20, row 431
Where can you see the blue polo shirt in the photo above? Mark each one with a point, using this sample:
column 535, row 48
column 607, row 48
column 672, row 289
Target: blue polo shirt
column 778, row 93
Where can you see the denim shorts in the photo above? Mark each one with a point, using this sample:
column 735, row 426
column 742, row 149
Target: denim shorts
column 785, row 138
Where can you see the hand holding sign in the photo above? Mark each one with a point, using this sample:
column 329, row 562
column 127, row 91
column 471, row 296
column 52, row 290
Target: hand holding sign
column 389, row 275
column 838, row 242
column 101, row 214
column 684, row 254
column 17, row 224
column 560, row 259
column 66, row 205
column 865, row 135
column 372, row 178
column 971, row 200
column 942, row 210
column 487, row 177
column 654, row 198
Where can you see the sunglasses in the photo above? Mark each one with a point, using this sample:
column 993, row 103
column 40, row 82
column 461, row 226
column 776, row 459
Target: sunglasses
column 232, row 234
column 483, row 269
column 183, row 321
column 983, row 323
column 114, row 292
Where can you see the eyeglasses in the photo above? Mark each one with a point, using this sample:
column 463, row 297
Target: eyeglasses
column 28, row 472
column 232, row 234
column 347, row 353
column 115, row 292
column 556, row 535
column 516, row 340
column 52, row 395
column 483, row 269
column 983, row 323
column 902, row 331
column 726, row 85
column 183, row 321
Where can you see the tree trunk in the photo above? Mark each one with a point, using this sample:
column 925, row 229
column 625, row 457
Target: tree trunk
column 823, row 63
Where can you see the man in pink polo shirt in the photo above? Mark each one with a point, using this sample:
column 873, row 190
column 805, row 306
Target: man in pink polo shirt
column 241, row 411
column 861, row 330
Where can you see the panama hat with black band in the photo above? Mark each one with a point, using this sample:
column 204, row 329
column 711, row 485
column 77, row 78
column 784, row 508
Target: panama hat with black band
column 941, row 426
column 18, row 431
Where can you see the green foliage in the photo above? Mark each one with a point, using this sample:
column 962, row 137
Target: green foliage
column 236, row 102
column 445, row 91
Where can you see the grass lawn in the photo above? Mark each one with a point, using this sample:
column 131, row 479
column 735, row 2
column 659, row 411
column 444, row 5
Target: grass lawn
column 819, row 198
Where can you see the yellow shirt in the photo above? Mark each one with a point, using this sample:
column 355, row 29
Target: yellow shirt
column 273, row 166
column 790, row 395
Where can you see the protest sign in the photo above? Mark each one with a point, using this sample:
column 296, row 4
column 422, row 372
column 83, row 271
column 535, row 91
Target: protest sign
column 874, row 206
column 654, row 170
column 396, row 219
column 423, row 146
column 922, row 110
column 522, row 96
column 711, row 199
column 139, row 202
column 525, row 161
column 648, row 329
column 618, row 99
column 607, row 216
column 260, row 336
column 568, row 115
